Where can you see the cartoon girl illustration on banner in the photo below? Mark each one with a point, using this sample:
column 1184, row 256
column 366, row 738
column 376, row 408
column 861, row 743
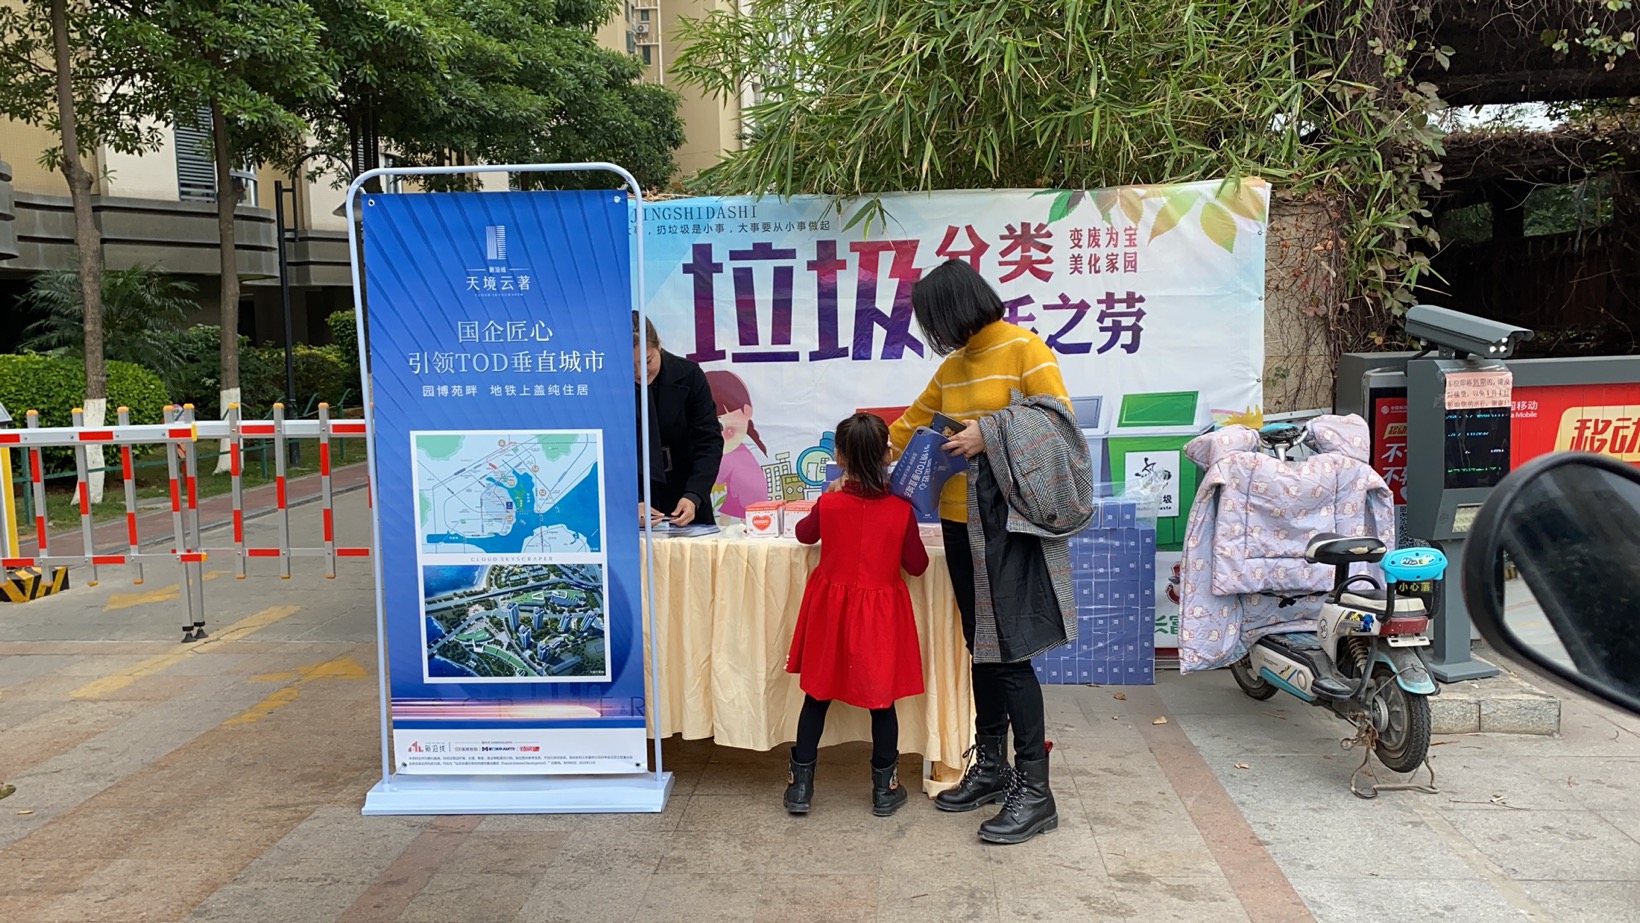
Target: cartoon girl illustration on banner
column 740, row 478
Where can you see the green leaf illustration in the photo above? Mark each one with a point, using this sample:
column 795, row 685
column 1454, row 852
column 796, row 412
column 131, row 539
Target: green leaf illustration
column 1061, row 207
column 1219, row 225
column 1176, row 207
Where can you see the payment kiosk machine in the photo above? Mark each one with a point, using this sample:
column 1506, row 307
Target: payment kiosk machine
column 1451, row 406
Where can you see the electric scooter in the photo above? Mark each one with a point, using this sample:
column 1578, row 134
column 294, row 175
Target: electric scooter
column 1368, row 661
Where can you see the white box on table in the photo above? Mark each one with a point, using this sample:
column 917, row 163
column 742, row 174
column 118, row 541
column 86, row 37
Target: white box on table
column 763, row 519
column 794, row 512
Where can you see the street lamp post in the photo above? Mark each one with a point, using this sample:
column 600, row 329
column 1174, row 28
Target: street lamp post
column 279, row 191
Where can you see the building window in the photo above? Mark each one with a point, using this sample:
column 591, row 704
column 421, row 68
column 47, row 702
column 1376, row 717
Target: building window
column 648, row 54
column 643, row 15
column 196, row 162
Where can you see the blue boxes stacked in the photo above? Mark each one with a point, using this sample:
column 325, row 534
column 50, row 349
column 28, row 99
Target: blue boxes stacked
column 1113, row 566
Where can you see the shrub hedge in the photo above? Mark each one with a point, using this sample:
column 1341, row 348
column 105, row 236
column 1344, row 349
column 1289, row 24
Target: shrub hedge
column 56, row 386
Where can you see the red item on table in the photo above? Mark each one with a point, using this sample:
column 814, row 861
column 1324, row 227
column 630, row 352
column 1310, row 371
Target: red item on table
column 856, row 638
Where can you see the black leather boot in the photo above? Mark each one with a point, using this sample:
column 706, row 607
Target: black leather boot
column 985, row 782
column 887, row 794
column 1028, row 810
column 799, row 787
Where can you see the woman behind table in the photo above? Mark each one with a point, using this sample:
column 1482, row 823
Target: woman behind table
column 986, row 360
column 685, row 443
column 856, row 638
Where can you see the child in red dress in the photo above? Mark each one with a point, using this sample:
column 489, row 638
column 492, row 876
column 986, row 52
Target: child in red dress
column 856, row 639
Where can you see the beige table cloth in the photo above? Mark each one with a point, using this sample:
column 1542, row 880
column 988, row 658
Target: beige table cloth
column 726, row 607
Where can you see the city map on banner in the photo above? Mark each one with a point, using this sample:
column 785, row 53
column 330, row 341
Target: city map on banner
column 499, row 331
column 801, row 314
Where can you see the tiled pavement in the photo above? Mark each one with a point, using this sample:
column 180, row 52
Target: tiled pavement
column 223, row 782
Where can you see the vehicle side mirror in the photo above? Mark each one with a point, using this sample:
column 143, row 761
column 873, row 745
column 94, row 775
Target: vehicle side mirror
column 1570, row 525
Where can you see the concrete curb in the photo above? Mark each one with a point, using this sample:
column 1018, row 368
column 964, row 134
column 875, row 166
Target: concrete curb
column 1503, row 704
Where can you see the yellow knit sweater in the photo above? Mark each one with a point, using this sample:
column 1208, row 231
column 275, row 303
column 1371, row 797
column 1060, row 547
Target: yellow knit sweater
column 977, row 381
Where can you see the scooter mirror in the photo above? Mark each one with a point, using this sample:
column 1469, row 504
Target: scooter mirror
column 1570, row 525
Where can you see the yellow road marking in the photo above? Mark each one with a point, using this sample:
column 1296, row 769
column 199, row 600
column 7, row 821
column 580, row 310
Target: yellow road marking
column 109, row 685
column 117, row 601
column 343, row 667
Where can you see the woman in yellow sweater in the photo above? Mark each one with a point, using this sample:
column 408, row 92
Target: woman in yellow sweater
column 986, row 360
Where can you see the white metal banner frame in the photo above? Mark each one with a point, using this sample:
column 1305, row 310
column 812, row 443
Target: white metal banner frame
column 450, row 794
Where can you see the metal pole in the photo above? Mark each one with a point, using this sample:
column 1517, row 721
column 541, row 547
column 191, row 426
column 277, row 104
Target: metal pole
column 284, row 297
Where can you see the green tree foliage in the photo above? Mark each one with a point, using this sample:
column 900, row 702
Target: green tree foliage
column 140, row 306
column 860, row 97
column 501, row 81
column 237, row 61
column 64, row 65
column 108, row 104
column 875, row 96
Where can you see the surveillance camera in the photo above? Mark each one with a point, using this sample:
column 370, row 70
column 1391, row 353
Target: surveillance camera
column 1461, row 336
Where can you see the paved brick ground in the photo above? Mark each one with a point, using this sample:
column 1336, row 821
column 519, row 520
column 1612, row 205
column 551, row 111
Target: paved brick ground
column 222, row 782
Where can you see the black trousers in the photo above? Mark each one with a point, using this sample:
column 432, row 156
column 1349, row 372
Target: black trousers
column 1004, row 693
column 811, row 723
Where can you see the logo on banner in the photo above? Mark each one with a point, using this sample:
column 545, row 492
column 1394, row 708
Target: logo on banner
column 497, row 277
column 1609, row 430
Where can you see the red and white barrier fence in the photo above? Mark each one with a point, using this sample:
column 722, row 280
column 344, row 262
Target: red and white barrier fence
column 180, row 435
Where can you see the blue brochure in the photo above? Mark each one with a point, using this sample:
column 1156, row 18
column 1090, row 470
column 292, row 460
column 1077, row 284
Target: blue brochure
column 923, row 470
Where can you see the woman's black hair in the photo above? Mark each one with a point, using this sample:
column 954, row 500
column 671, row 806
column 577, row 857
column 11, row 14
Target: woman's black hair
column 952, row 303
column 862, row 447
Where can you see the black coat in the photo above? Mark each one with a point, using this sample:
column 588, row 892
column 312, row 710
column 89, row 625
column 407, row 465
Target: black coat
column 1029, row 617
column 685, row 440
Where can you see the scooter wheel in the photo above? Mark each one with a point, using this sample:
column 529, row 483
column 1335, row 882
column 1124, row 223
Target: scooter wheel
column 1403, row 722
column 1250, row 682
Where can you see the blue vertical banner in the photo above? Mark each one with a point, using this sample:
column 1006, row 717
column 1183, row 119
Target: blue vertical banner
column 506, row 443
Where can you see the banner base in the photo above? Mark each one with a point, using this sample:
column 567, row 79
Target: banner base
column 441, row 794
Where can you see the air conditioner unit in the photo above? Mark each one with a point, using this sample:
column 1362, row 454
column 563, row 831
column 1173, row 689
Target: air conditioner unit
column 641, row 28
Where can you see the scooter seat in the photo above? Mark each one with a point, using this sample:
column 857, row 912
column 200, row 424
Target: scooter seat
column 1374, row 601
column 1295, row 640
column 1335, row 550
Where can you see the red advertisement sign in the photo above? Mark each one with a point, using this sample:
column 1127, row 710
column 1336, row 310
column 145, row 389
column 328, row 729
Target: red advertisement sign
column 1576, row 418
column 1389, row 440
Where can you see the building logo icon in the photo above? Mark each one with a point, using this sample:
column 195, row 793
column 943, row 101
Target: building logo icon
column 495, row 243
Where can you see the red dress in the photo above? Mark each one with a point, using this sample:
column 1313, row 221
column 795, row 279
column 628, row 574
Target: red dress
column 856, row 639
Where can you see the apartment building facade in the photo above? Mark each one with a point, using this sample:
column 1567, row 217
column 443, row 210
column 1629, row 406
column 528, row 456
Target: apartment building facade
column 650, row 31
column 159, row 209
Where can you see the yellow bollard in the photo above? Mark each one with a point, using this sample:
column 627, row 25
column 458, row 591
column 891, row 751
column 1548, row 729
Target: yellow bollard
column 8, row 507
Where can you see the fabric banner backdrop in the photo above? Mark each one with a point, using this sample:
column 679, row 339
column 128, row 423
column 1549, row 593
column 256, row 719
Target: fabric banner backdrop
column 1152, row 298
column 499, row 331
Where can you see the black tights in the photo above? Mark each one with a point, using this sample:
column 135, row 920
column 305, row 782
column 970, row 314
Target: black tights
column 885, row 732
column 1004, row 693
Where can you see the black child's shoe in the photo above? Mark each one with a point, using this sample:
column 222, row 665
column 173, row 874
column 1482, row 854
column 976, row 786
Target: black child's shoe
column 887, row 794
column 799, row 787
